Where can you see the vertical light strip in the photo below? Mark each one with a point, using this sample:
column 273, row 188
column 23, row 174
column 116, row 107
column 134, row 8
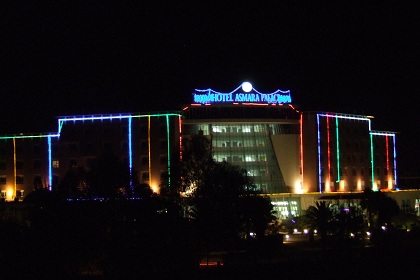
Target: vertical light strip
column 374, row 188
column 319, row 156
column 169, row 150
column 301, row 151
column 14, row 165
column 49, row 163
column 327, row 185
column 130, row 151
column 180, row 137
column 387, row 157
column 395, row 161
column 149, row 143
column 338, row 150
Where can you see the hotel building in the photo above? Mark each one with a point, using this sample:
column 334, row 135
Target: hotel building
column 295, row 157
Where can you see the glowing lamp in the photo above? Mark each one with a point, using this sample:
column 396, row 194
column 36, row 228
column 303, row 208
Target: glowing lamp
column 246, row 86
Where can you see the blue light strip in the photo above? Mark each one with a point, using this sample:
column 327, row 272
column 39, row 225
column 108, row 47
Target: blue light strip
column 130, row 152
column 49, row 163
column 319, row 155
column 395, row 161
column 210, row 91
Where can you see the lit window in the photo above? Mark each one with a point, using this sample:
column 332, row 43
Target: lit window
column 56, row 164
column 20, row 193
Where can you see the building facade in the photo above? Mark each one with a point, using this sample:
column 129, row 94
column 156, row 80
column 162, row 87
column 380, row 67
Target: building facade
column 294, row 156
column 145, row 142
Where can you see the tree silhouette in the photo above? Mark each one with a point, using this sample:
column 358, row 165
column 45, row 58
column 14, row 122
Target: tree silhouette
column 319, row 218
column 220, row 197
column 380, row 208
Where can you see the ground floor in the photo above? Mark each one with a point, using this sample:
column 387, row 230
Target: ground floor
column 291, row 204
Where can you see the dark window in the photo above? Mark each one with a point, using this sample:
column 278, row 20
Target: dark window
column 37, row 182
column 144, row 160
column 3, row 180
column 37, row 164
column 19, row 165
column 73, row 149
column 163, row 160
column 145, row 175
column 91, row 162
column 19, row 179
column 55, row 180
column 107, row 146
column 19, row 150
column 2, row 165
column 37, row 150
column 89, row 148
column 124, row 131
column 163, row 144
column 72, row 163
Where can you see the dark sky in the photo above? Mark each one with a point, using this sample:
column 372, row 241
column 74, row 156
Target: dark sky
column 87, row 57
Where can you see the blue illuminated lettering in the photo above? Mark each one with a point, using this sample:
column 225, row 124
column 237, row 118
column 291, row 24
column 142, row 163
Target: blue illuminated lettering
column 210, row 96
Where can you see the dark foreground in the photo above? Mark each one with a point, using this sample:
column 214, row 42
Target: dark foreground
column 303, row 261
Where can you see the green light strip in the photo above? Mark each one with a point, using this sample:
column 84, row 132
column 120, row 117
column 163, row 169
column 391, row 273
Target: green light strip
column 371, row 161
column 338, row 150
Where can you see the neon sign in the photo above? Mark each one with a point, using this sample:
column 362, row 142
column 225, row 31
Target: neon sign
column 248, row 94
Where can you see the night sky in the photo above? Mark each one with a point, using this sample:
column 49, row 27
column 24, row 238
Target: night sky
column 87, row 57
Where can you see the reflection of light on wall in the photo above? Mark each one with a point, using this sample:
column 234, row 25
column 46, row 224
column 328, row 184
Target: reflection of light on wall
column 328, row 186
column 9, row 193
column 390, row 182
column 155, row 187
column 342, row 185
column 298, row 187
column 359, row 185
column 375, row 187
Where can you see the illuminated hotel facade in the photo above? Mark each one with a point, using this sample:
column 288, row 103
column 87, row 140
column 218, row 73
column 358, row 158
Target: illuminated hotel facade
column 295, row 157
column 145, row 142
